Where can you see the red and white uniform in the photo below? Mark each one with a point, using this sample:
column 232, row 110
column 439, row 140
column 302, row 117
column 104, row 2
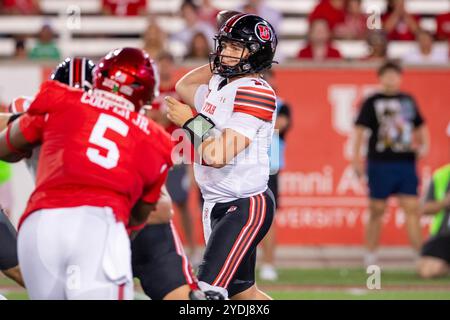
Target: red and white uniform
column 247, row 106
column 97, row 159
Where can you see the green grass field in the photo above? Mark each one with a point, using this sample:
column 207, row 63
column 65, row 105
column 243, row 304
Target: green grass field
column 323, row 284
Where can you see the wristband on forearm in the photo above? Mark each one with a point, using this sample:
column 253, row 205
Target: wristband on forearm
column 198, row 128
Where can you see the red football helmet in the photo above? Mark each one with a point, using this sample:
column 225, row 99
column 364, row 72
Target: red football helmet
column 130, row 73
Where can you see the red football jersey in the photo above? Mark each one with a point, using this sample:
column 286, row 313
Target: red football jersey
column 94, row 151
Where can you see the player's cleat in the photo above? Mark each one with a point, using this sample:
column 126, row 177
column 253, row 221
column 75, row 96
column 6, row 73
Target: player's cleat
column 268, row 272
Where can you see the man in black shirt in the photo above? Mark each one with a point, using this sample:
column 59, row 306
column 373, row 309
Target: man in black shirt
column 398, row 136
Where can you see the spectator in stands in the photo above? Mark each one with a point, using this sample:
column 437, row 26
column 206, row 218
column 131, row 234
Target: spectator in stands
column 425, row 52
column 154, row 39
column 124, row 7
column 208, row 12
column 399, row 24
column 263, row 10
column 199, row 48
column 377, row 43
column 319, row 45
column 20, row 7
column 398, row 137
column 443, row 26
column 355, row 23
column 193, row 24
column 45, row 48
column 20, row 52
column 435, row 256
column 333, row 11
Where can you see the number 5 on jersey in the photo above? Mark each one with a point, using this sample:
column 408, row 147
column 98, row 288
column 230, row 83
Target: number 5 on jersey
column 97, row 137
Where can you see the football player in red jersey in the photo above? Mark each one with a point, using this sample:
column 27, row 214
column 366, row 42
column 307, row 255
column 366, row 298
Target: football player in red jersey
column 100, row 160
column 158, row 258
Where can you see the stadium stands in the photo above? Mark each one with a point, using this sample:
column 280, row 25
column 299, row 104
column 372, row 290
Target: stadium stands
column 93, row 34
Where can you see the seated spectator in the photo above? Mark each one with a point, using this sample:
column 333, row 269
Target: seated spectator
column 425, row 52
column 45, row 48
column 199, row 49
column 399, row 24
column 20, row 52
column 193, row 24
column 260, row 8
column 319, row 45
column 355, row 24
column 377, row 43
column 443, row 26
column 124, row 7
column 333, row 11
column 154, row 39
column 22, row 7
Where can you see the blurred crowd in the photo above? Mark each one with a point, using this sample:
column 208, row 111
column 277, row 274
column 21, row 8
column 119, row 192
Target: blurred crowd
column 345, row 19
column 330, row 20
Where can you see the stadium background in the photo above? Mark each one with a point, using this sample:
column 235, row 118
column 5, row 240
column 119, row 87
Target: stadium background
column 322, row 207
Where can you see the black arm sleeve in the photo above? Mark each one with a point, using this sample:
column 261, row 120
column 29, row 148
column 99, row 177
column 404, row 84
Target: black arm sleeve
column 14, row 117
column 8, row 240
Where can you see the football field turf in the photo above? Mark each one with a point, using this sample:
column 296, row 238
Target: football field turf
column 333, row 283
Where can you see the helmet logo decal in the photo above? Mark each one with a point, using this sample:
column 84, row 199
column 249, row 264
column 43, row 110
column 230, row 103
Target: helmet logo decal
column 263, row 32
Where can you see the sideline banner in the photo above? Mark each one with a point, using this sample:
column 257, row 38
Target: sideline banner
column 321, row 201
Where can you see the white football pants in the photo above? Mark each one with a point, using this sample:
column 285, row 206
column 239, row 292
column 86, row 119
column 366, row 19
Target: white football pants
column 75, row 253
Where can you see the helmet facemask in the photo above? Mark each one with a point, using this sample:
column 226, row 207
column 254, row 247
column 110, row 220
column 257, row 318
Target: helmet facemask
column 253, row 33
column 242, row 65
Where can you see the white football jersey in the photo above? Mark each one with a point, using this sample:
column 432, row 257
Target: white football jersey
column 246, row 105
